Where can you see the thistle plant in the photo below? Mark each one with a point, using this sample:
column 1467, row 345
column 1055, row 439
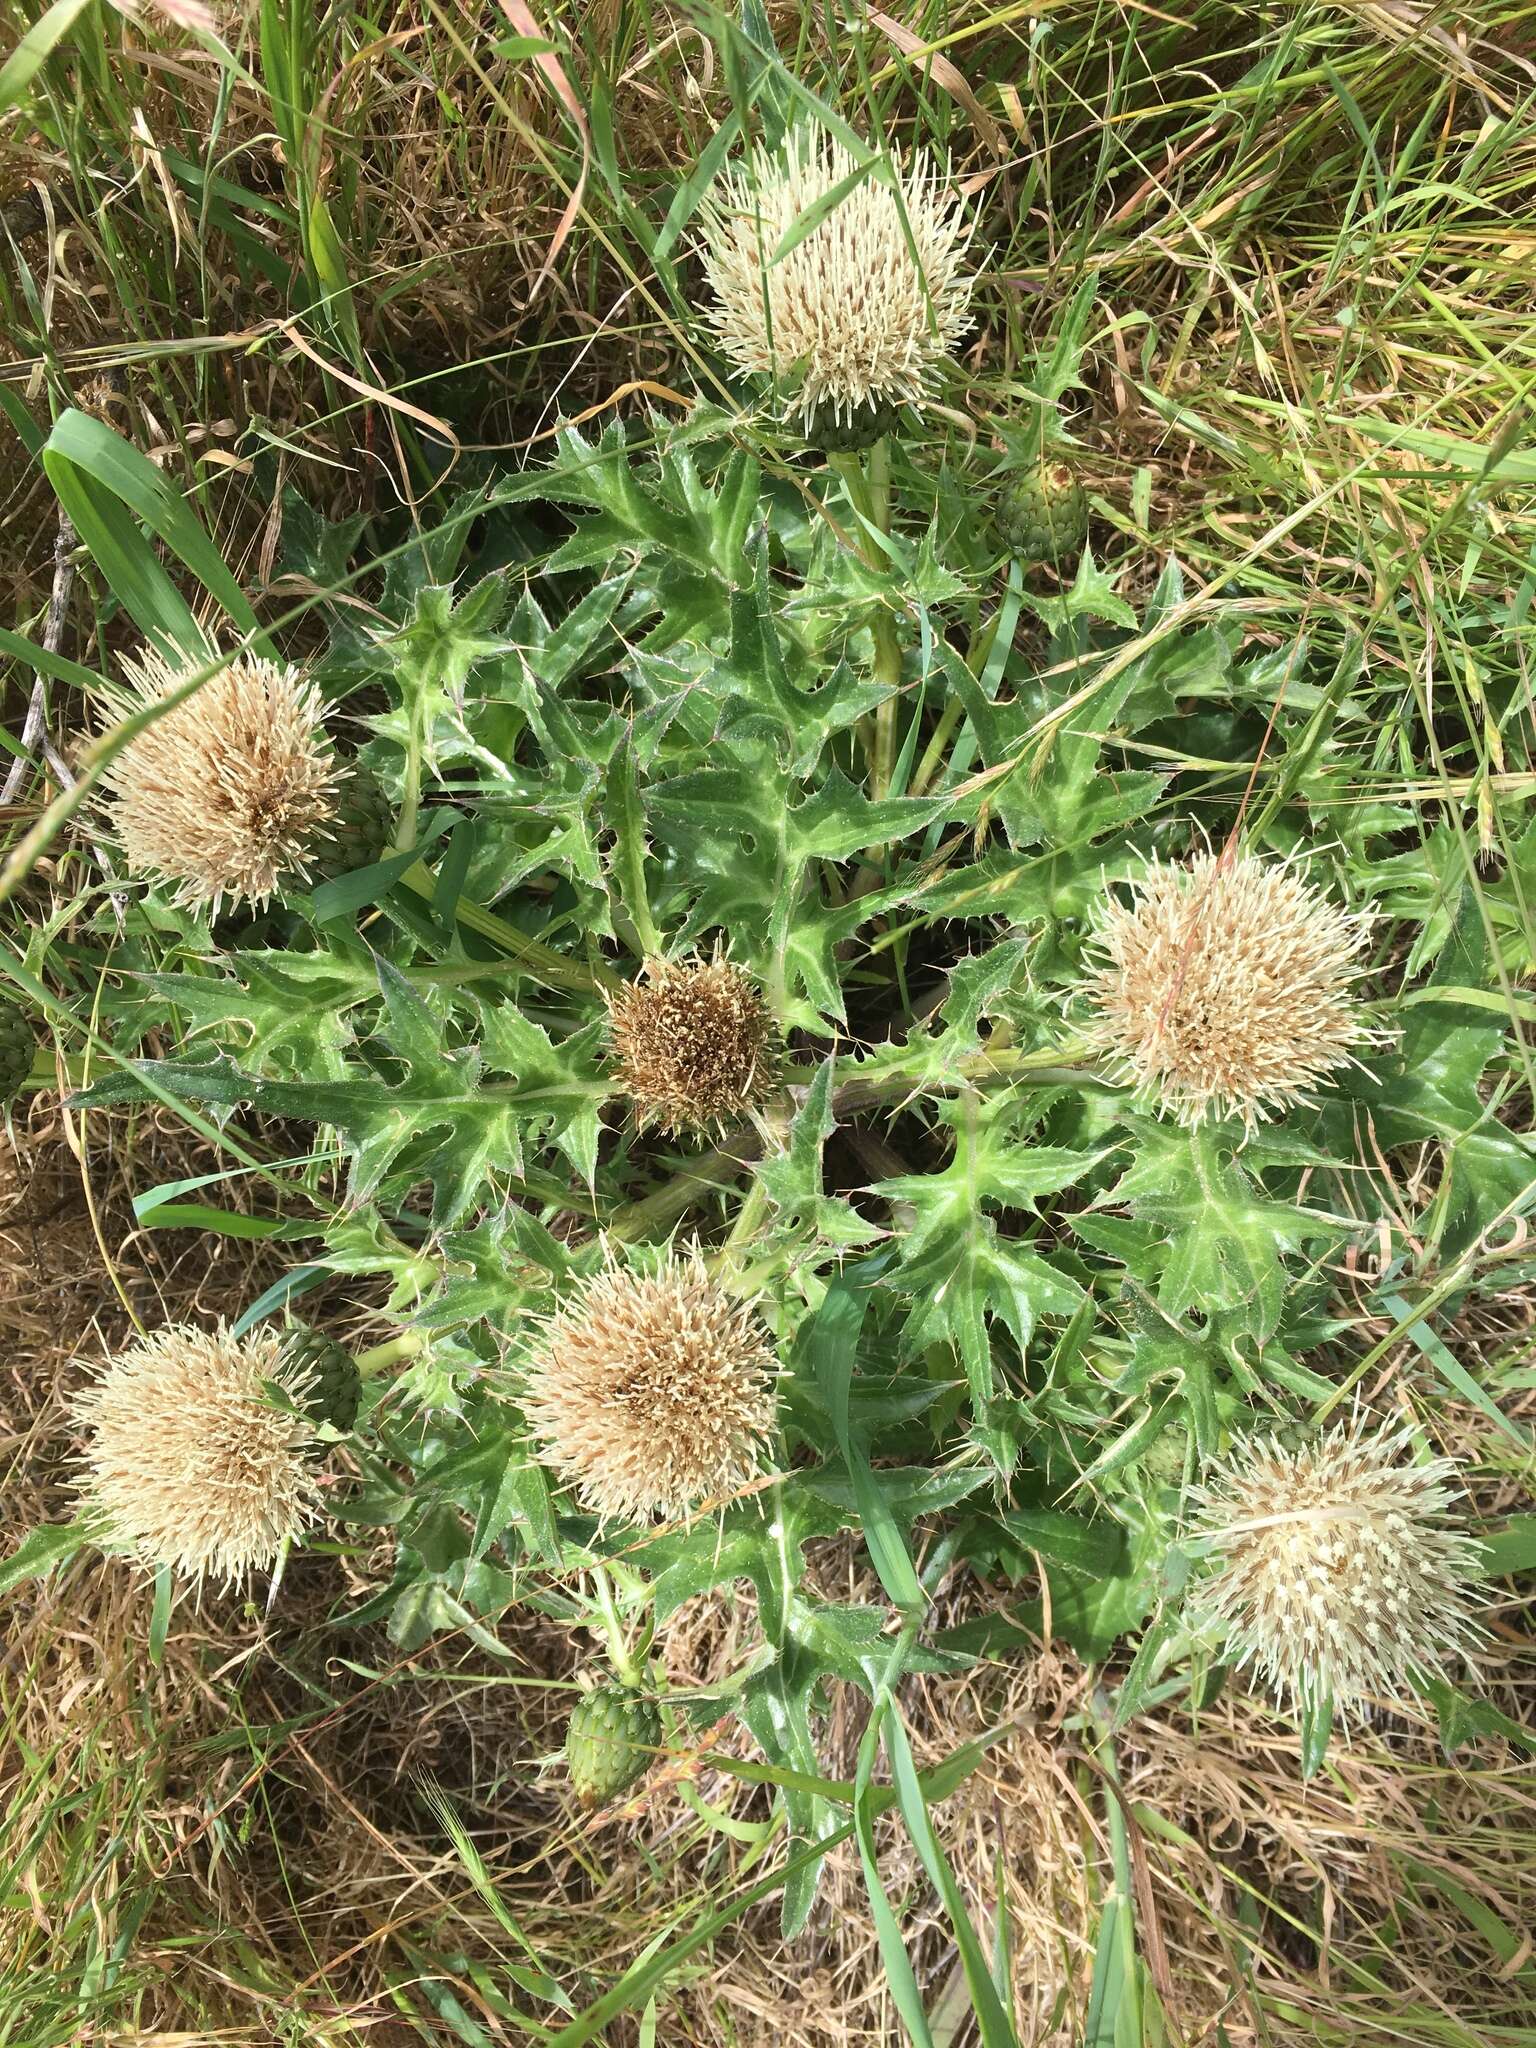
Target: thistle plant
column 864, row 312
column 1025, row 1149
column 691, row 1043
column 229, row 790
column 191, row 1462
column 1225, row 988
column 858, row 1087
column 653, row 1392
column 858, row 318
column 1340, row 1572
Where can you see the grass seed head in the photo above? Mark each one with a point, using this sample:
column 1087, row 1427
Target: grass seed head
column 1225, row 988
column 190, row 1462
column 1340, row 1571
column 233, row 789
column 652, row 1392
column 859, row 312
column 691, row 1043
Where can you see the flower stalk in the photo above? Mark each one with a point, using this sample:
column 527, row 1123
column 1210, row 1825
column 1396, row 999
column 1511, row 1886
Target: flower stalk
column 409, row 1344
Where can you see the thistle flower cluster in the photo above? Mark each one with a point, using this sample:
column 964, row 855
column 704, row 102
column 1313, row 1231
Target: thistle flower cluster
column 691, row 1044
column 867, row 306
column 1339, row 1572
column 191, row 1462
column 653, row 1392
column 1225, row 988
column 229, row 791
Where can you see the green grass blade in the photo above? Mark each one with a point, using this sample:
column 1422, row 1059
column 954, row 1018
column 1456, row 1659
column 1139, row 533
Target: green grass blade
column 91, row 447
column 34, row 49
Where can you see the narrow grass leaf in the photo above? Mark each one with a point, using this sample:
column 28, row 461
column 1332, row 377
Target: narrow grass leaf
column 122, row 555
column 160, row 1618
column 900, row 1977
column 1316, row 1728
column 819, row 210
column 685, row 200
column 173, row 1190
column 994, row 2026
column 221, row 1222
column 39, row 1551
column 91, row 447
column 1099, row 2030
column 300, row 1280
column 34, row 49
column 30, row 655
column 1450, row 1369
column 347, row 894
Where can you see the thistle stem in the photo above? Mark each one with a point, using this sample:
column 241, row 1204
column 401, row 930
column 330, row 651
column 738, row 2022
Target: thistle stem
column 410, row 790
column 409, row 1344
column 887, row 648
column 754, row 1203
column 748, row 1216
column 717, row 1169
column 870, row 497
column 541, row 961
column 613, row 1628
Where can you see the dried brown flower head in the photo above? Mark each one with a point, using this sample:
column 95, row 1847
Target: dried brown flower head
column 230, row 791
column 190, row 1461
column 1225, row 988
column 691, row 1043
column 1340, row 1571
column 653, row 1392
column 867, row 306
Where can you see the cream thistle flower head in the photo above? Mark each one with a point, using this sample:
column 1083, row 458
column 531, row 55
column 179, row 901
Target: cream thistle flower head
column 860, row 311
column 1225, row 988
column 691, row 1043
column 653, row 1392
column 1340, row 1571
column 190, row 1462
column 229, row 792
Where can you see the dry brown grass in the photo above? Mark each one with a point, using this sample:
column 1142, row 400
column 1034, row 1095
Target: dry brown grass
column 1277, row 1910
